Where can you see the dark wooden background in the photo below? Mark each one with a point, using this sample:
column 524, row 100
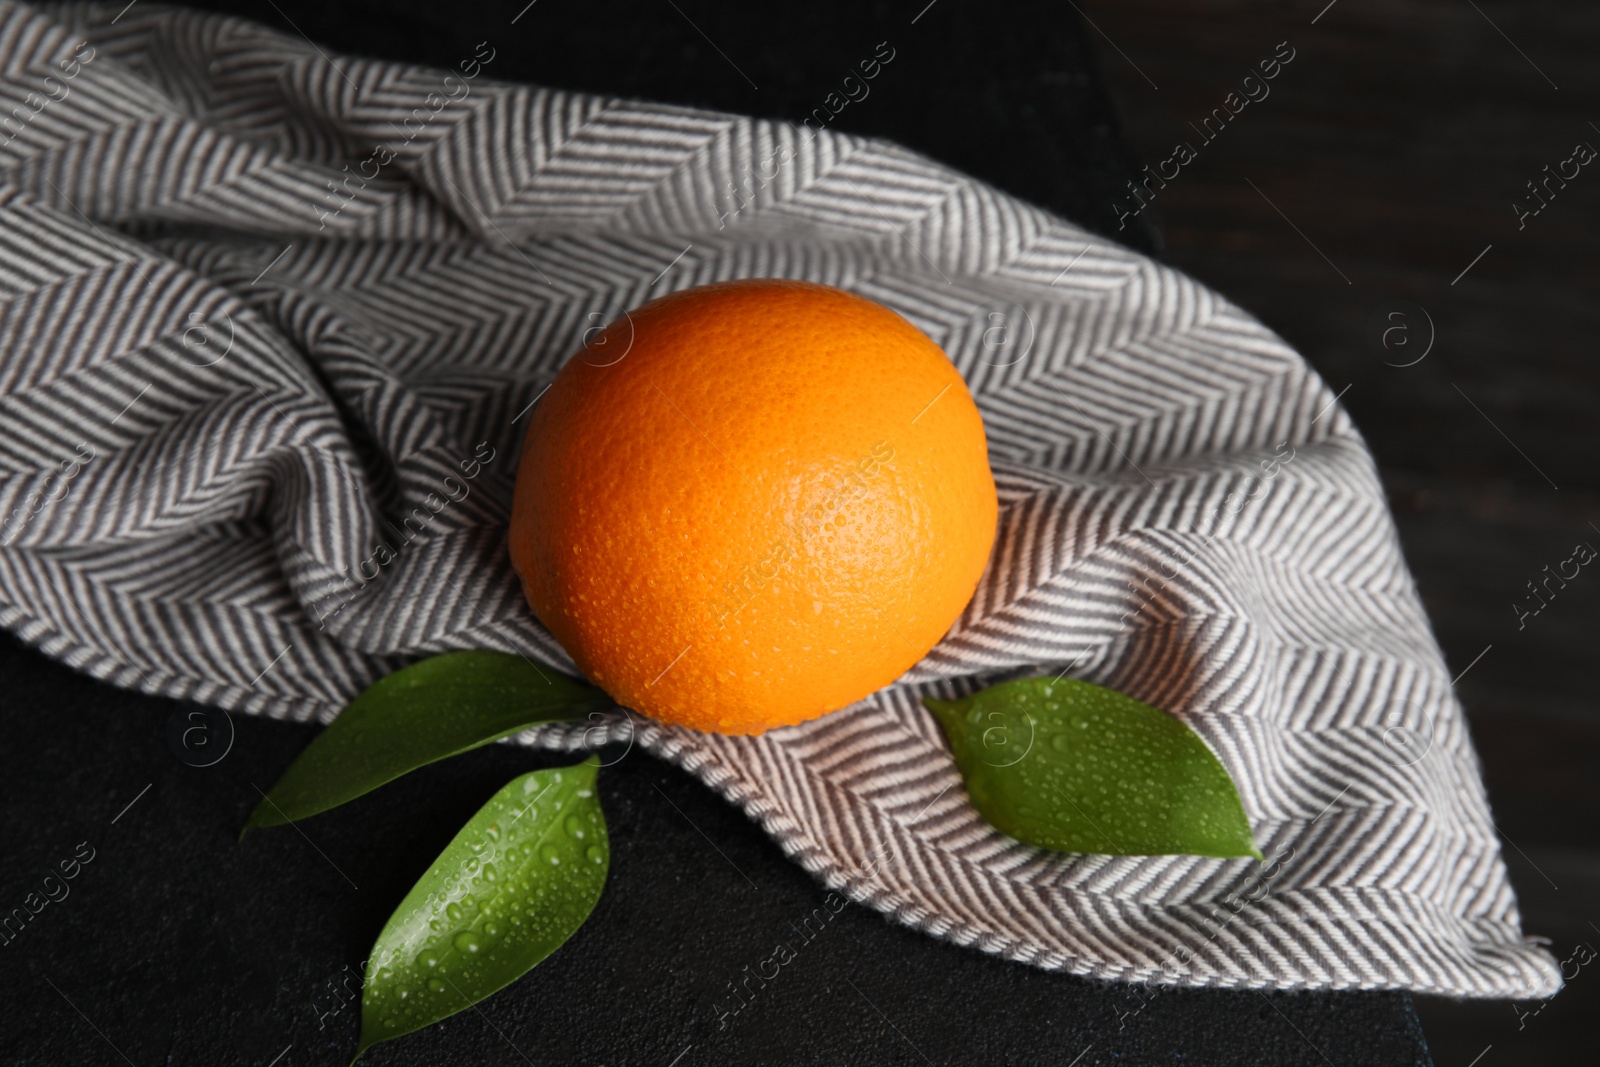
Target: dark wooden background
column 1385, row 159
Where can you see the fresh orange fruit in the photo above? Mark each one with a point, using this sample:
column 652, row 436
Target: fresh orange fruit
column 743, row 505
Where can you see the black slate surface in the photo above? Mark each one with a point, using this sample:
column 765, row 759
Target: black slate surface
column 1008, row 90
column 178, row 945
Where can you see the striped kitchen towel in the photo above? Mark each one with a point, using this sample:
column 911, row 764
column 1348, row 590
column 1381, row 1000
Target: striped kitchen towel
column 271, row 321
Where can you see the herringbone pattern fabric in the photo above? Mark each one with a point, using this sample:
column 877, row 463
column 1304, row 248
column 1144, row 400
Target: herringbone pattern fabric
column 271, row 323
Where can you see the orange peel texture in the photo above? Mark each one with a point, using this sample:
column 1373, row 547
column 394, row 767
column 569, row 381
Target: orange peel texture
column 747, row 504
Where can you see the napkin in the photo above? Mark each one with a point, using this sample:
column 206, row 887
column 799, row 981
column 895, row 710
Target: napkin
column 272, row 321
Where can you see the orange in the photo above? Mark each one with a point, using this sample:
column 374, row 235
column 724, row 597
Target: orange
column 743, row 505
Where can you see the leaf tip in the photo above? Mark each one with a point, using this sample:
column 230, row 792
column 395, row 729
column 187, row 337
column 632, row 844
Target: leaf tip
column 367, row 1038
column 252, row 823
column 262, row 816
column 589, row 770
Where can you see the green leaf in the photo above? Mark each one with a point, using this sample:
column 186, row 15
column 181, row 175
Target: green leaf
column 1066, row 765
column 440, row 707
column 517, row 881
